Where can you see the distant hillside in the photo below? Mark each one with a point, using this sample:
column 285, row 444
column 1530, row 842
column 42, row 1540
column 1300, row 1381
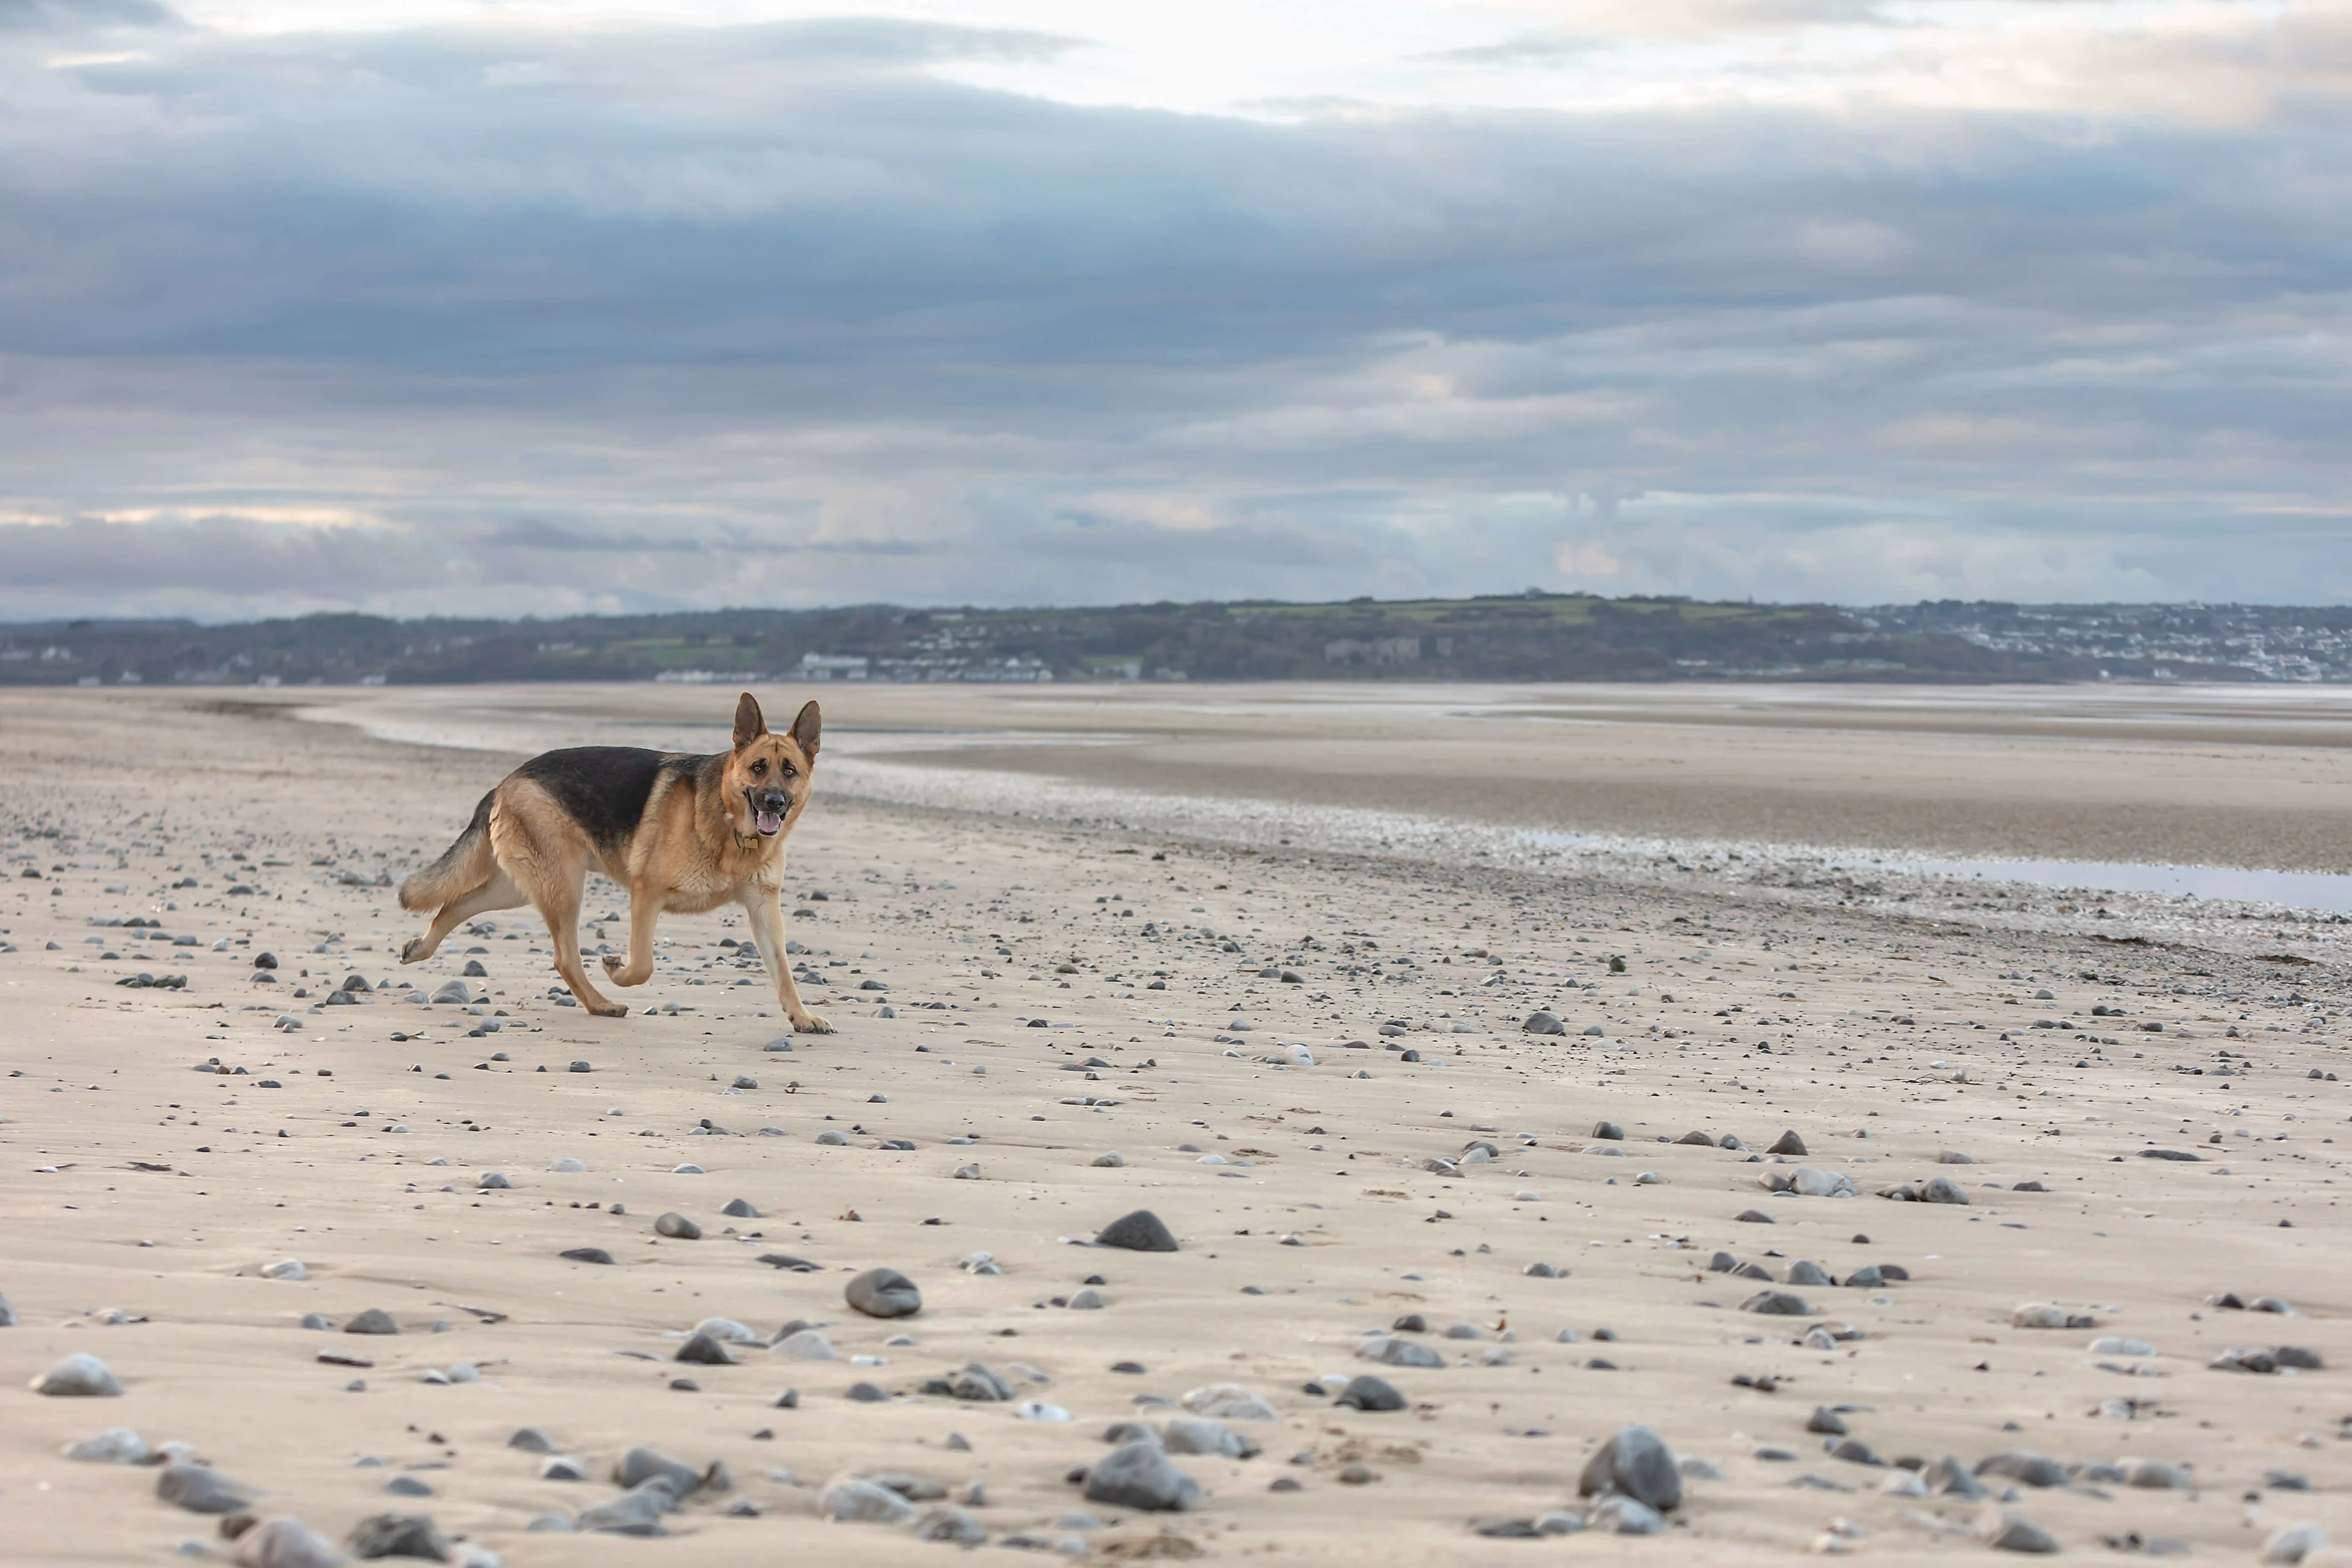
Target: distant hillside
column 1529, row 637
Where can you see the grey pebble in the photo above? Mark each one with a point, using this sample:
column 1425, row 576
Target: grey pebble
column 1390, row 1351
column 1140, row 1476
column 850, row 1499
column 1637, row 1463
column 2015, row 1533
column 407, row 1486
column 1367, row 1393
column 1141, row 1231
column 115, row 1446
column 80, row 1376
column 678, row 1227
column 284, row 1541
column 953, row 1525
column 200, row 1489
column 374, row 1320
column 883, row 1293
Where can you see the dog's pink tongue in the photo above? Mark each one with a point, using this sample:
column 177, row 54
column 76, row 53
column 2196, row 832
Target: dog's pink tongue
column 771, row 821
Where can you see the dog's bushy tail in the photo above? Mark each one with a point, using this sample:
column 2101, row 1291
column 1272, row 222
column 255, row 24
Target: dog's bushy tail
column 463, row 866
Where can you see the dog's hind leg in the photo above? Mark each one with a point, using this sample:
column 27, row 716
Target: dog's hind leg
column 644, row 908
column 499, row 893
column 559, row 905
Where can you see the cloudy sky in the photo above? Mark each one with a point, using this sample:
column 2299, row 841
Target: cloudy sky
column 424, row 306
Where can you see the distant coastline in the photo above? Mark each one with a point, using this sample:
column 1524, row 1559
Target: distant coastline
column 1527, row 636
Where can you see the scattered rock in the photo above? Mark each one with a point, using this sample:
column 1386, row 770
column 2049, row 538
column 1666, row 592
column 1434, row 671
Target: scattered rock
column 953, row 1525
column 883, row 1293
column 2013, row 1532
column 1944, row 1190
column 2044, row 1315
column 807, row 1344
column 2294, row 1544
column 1776, row 1304
column 1199, row 1434
column 115, row 1446
column 704, row 1349
column 1949, row 1477
column 1141, row 1231
column 1637, row 1463
column 850, row 1499
column 1808, row 1183
column 200, row 1489
column 639, row 1465
column 1625, row 1516
column 586, row 1255
column 2024, row 1466
column 678, row 1227
column 2155, row 1475
column 1367, row 1393
column 1228, row 1401
column 80, row 1376
column 1140, row 1476
column 374, row 1320
column 1390, row 1351
column 282, row 1540
column 1544, row 1023
column 1788, row 1144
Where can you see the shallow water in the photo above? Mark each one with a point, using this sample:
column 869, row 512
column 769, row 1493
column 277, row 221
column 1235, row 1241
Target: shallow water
column 2196, row 903
column 2288, row 889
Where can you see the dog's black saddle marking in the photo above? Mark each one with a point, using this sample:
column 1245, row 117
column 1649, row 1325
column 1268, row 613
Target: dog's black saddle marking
column 604, row 788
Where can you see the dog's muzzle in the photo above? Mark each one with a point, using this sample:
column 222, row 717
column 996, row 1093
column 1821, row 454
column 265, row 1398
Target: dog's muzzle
column 768, row 813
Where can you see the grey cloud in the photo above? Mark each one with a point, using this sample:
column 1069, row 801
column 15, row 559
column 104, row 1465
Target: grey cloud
column 700, row 316
column 83, row 15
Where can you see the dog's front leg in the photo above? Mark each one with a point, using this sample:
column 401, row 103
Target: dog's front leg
column 768, row 930
column 644, row 908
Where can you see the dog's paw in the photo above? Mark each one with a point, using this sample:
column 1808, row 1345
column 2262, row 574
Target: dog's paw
column 609, row 1010
column 612, row 961
column 810, row 1024
column 414, row 951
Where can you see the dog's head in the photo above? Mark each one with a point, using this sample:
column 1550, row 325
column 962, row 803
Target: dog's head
column 768, row 773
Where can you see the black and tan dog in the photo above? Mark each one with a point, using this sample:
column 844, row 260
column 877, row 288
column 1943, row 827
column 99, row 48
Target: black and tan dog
column 681, row 833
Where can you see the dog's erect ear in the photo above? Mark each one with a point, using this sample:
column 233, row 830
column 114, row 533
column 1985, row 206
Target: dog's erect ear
column 805, row 730
column 749, row 725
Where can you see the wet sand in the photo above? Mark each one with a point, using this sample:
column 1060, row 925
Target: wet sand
column 136, row 1182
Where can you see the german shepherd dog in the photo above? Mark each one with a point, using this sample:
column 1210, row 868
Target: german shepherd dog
column 681, row 833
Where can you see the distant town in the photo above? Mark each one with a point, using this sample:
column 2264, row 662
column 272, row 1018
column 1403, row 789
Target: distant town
column 1531, row 636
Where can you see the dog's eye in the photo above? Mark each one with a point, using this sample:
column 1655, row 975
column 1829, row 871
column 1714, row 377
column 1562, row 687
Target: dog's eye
column 759, row 767
column 790, row 770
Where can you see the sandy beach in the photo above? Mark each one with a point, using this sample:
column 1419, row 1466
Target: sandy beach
column 1050, row 927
